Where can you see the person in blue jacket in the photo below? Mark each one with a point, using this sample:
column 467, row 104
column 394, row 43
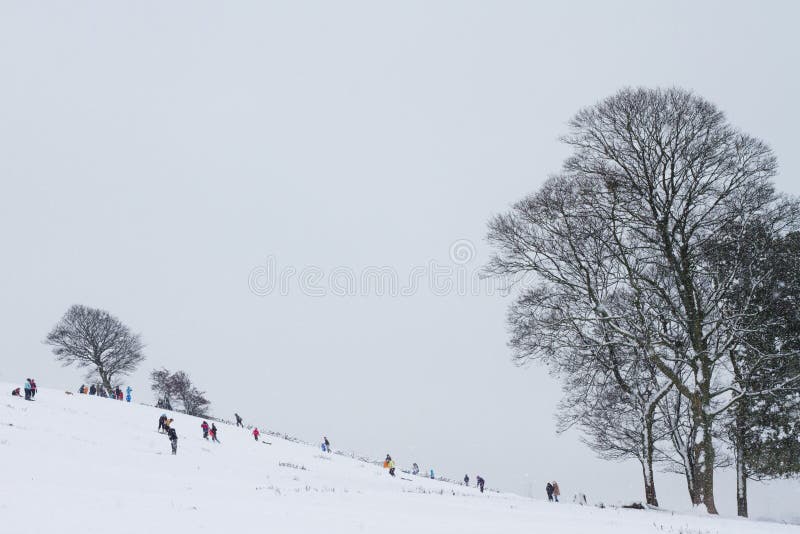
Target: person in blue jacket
column 128, row 393
column 28, row 389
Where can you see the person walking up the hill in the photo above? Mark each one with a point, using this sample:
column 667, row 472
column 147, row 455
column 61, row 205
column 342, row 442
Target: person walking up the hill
column 256, row 433
column 556, row 491
column 480, row 481
column 173, row 439
column 238, row 420
column 213, row 432
column 549, row 490
column 204, row 426
column 27, row 389
column 466, row 480
column 327, row 444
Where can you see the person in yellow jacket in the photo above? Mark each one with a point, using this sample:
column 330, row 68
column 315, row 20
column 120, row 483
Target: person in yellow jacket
column 391, row 467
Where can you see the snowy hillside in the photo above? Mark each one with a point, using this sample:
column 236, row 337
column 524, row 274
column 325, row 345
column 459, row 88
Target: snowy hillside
column 75, row 463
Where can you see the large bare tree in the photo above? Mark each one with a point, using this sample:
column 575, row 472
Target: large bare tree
column 608, row 378
column 93, row 338
column 653, row 178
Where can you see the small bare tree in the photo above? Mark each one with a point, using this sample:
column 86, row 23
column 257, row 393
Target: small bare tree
column 160, row 384
column 178, row 386
column 88, row 337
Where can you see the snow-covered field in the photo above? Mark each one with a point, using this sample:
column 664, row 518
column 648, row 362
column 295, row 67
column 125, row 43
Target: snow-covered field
column 75, row 463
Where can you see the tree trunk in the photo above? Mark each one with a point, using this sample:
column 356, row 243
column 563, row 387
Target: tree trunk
column 691, row 484
column 704, row 443
column 741, row 463
column 741, row 488
column 649, row 484
column 694, row 478
column 104, row 378
column 708, row 473
column 647, row 461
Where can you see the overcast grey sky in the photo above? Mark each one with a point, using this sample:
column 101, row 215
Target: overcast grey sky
column 156, row 158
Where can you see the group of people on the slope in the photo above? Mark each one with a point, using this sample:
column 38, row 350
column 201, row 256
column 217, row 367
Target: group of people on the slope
column 101, row 391
column 165, row 427
column 553, row 491
column 479, row 482
column 29, row 387
column 415, row 470
column 389, row 464
column 209, row 431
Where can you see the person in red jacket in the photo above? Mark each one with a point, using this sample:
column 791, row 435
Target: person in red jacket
column 256, row 433
column 204, row 426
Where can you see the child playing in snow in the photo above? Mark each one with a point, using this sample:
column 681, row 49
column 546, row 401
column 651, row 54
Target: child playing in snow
column 213, row 432
column 173, row 439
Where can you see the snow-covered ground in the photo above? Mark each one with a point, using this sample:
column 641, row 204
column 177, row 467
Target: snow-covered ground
column 75, row 463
